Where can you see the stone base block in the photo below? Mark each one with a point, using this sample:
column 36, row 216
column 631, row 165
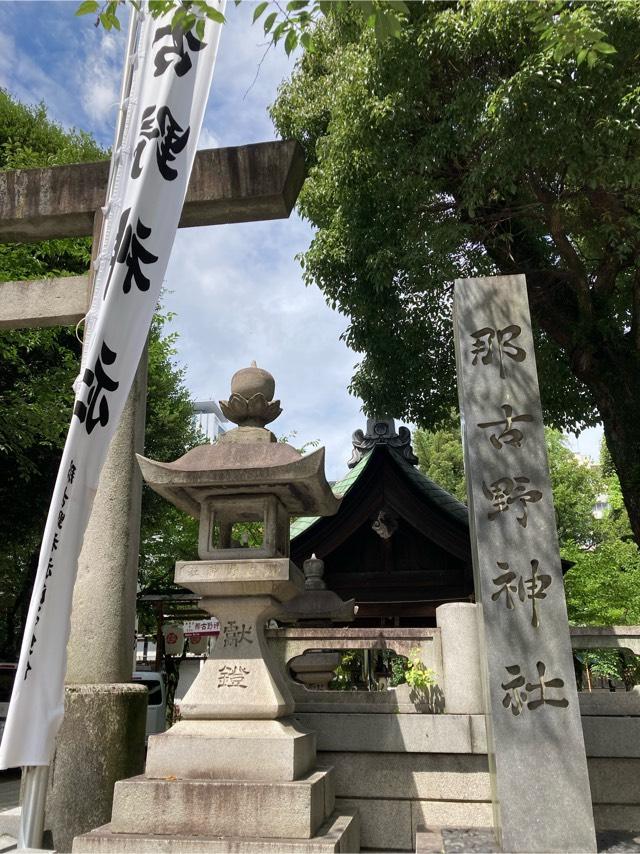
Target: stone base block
column 10, row 822
column 223, row 807
column 340, row 833
column 617, row 816
column 268, row 751
column 429, row 840
column 101, row 740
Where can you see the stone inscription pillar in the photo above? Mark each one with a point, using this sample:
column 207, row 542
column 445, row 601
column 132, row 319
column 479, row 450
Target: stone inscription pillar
column 540, row 787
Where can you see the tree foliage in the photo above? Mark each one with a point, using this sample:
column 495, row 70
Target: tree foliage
column 37, row 369
column 575, row 488
column 564, row 28
column 603, row 587
column 292, row 25
column 480, row 141
column 166, row 534
column 575, row 485
column 440, row 456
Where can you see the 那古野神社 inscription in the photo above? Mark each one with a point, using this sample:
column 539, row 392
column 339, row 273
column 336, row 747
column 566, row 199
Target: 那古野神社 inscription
column 519, row 690
column 507, row 491
column 509, row 435
column 489, row 342
column 534, row 587
column 529, row 679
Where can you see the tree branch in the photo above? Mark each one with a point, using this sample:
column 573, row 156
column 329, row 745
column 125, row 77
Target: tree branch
column 580, row 278
column 607, row 272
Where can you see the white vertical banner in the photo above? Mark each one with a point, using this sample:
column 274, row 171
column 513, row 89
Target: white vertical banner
column 169, row 90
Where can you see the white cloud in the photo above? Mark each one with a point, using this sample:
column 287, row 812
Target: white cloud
column 246, row 79
column 208, row 139
column 49, row 55
column 99, row 77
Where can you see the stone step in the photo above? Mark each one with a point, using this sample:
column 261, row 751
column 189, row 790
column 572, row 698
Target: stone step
column 235, row 808
column 10, row 821
column 340, row 833
column 259, row 750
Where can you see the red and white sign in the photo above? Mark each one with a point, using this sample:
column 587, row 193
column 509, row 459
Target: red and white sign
column 173, row 638
column 198, row 644
column 194, row 629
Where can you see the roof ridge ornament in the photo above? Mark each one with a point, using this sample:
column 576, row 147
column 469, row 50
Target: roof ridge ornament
column 382, row 431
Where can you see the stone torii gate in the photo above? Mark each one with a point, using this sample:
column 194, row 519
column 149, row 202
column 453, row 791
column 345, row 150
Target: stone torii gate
column 101, row 737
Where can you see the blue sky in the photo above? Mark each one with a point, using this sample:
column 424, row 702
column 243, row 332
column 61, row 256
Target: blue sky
column 236, row 289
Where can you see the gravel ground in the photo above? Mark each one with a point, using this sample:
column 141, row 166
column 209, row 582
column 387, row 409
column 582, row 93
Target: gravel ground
column 481, row 841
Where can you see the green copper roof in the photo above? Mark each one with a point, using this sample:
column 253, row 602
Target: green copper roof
column 434, row 493
column 340, row 488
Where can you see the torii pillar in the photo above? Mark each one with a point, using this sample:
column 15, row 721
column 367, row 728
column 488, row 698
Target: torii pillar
column 102, row 736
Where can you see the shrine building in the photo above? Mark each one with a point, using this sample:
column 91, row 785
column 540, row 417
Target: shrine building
column 399, row 544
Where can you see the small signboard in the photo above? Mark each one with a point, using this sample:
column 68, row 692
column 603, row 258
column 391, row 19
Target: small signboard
column 195, row 629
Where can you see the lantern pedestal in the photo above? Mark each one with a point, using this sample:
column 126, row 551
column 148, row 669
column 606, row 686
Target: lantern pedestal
column 234, row 723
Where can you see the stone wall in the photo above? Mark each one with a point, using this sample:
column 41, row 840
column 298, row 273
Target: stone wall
column 401, row 768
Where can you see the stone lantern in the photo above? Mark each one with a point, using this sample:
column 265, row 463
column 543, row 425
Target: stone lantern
column 246, row 478
column 237, row 770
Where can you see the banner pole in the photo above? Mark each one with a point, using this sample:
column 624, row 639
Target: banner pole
column 34, row 797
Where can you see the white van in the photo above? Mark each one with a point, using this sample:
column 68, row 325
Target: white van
column 157, row 700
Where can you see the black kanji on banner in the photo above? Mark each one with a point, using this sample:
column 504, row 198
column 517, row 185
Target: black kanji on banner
column 50, row 566
column 171, row 141
column 177, row 54
column 128, row 250
column 96, row 409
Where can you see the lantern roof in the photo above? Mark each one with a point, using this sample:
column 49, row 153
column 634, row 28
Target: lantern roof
column 245, row 461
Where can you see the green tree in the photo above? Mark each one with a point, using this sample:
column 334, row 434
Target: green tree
column 603, row 586
column 166, row 534
column 614, row 524
column 564, row 28
column 575, row 486
column 37, row 369
column 439, row 452
column 468, row 146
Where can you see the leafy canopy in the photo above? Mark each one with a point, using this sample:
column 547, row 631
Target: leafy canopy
column 603, row 588
column 480, row 140
column 564, row 30
column 294, row 24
